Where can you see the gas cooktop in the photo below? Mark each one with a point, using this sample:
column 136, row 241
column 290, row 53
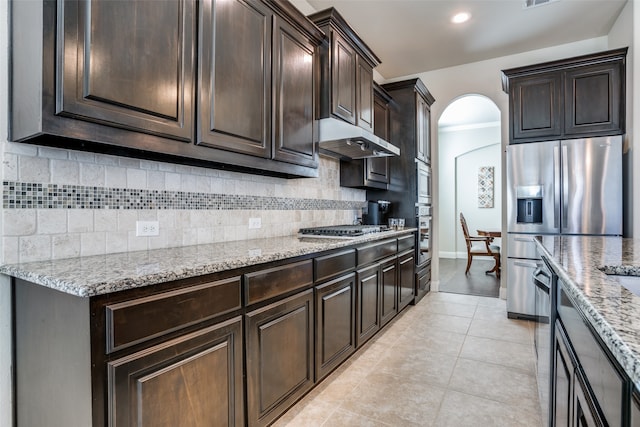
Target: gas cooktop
column 341, row 231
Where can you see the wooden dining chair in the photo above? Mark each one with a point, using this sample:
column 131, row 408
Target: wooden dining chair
column 484, row 250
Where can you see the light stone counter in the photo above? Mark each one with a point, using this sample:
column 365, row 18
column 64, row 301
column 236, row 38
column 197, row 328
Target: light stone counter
column 612, row 310
column 102, row 274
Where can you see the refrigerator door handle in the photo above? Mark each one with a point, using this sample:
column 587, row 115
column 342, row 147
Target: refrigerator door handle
column 565, row 186
column 528, row 264
column 556, row 187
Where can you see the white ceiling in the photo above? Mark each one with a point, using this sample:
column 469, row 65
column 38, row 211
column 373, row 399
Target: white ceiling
column 412, row 36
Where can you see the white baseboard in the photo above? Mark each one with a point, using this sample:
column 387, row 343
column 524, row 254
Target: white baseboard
column 453, row 255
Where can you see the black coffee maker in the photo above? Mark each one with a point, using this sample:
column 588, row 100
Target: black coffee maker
column 376, row 212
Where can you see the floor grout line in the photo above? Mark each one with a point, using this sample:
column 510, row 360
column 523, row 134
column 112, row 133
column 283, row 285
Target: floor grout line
column 402, row 331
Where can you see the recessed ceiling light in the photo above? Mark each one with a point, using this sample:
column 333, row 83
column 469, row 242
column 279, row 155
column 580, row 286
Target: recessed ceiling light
column 461, row 17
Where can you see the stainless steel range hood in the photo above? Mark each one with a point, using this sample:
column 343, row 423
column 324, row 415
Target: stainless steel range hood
column 343, row 140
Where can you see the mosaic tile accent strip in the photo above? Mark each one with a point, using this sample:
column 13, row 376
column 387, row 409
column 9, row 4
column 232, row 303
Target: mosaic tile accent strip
column 25, row 195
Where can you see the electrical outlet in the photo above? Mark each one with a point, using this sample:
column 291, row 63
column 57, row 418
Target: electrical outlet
column 255, row 252
column 147, row 228
column 255, row 222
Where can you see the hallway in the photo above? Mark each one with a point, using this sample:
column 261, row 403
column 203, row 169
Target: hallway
column 452, row 360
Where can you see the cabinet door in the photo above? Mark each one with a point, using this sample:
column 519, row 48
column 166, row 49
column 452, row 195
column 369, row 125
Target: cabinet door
column 389, row 285
column 335, row 323
column 234, row 94
column 377, row 172
column 635, row 409
column 536, row 107
column 584, row 412
column 368, row 308
column 279, row 348
column 145, row 87
column 423, row 119
column 343, row 90
column 423, row 282
column 364, row 93
column 293, row 85
column 406, row 276
column 173, row 383
column 562, row 382
column 593, row 100
column 377, row 168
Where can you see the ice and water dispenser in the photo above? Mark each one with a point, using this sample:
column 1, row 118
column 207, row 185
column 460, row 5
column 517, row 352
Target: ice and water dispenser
column 529, row 204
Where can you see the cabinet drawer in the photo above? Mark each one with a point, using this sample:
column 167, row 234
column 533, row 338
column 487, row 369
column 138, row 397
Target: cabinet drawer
column 375, row 251
column 603, row 377
column 269, row 283
column 406, row 242
column 334, row 264
column 135, row 321
column 424, row 279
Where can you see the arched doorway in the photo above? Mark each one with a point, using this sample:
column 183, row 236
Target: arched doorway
column 470, row 170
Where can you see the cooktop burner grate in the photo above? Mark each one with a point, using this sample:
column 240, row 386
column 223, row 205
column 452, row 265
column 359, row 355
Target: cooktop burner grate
column 342, row 230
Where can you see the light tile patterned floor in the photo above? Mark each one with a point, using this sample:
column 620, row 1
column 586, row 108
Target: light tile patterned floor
column 452, row 360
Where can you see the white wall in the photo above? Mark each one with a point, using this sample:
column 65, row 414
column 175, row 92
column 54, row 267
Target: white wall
column 622, row 35
column 467, row 165
column 453, row 145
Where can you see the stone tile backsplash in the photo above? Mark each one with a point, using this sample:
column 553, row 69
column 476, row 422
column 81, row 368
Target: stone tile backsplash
column 62, row 203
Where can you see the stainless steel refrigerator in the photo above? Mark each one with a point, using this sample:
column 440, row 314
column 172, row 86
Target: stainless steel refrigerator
column 557, row 187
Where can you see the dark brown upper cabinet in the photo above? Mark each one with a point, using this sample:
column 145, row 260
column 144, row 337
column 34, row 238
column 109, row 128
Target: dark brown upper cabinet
column 294, row 96
column 594, row 99
column 364, row 94
column 569, row 98
column 246, row 66
column 536, row 106
column 372, row 172
column 343, row 75
column 256, row 79
column 146, row 87
column 411, row 119
column 346, row 72
column 235, row 77
column 72, row 78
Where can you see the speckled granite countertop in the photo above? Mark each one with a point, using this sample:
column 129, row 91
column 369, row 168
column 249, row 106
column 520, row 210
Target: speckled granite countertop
column 102, row 274
column 614, row 311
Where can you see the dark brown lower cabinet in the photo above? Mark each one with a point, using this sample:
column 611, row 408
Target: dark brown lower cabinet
column 235, row 348
column 335, row 323
column 368, row 308
column 406, row 278
column 584, row 412
column 635, row 409
column 564, row 369
column 172, row 383
column 280, row 356
column 423, row 281
column 573, row 404
column 389, row 288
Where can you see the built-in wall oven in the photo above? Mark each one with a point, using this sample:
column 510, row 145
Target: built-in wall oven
column 424, row 221
column 423, row 173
